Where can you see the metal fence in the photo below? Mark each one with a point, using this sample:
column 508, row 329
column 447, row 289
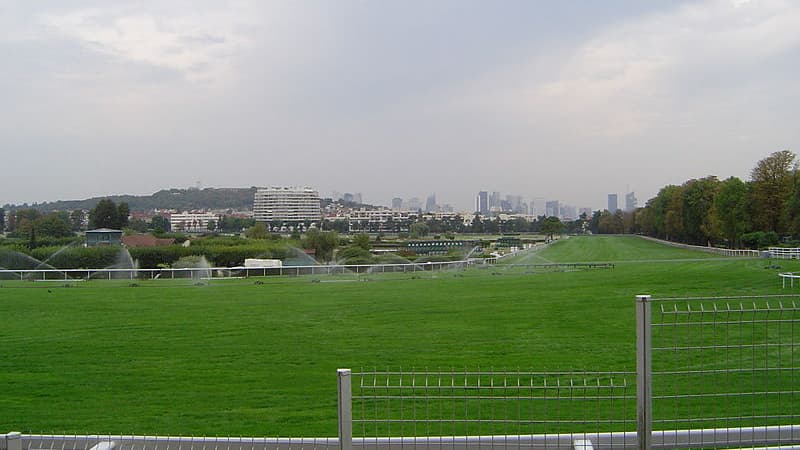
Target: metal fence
column 720, row 372
column 197, row 274
column 725, row 363
column 203, row 273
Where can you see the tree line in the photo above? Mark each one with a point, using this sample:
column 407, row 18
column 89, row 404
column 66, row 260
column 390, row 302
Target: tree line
column 733, row 213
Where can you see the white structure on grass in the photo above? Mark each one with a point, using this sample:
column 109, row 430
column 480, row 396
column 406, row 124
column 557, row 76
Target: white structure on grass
column 286, row 204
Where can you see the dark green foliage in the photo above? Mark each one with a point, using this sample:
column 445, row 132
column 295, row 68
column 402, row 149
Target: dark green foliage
column 760, row 239
column 322, row 242
column 159, row 224
column 107, row 214
column 183, row 199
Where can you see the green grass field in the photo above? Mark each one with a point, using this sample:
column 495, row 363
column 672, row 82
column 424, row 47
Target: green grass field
column 239, row 358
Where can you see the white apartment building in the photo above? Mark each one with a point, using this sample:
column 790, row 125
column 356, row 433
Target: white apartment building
column 286, row 204
column 192, row 221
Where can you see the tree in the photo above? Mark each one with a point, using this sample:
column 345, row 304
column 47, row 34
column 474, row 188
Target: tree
column 123, row 213
column 418, row 229
column 698, row 198
column 610, row 223
column 159, row 224
column 257, row 231
column 104, row 215
column 138, row 225
column 322, row 242
column 77, row 217
column 56, row 224
column 2, row 220
column 729, row 211
column 362, row 241
column 551, row 225
column 771, row 187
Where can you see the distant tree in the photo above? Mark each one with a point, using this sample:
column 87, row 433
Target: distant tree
column 729, row 212
column 2, row 220
column 77, row 218
column 56, row 224
column 477, row 224
column 159, row 224
column 257, row 231
column 551, row 225
column 123, row 214
column 212, row 225
column 104, row 215
column 418, row 229
column 771, row 187
column 698, row 199
column 322, row 242
column 138, row 225
column 611, row 223
column 362, row 241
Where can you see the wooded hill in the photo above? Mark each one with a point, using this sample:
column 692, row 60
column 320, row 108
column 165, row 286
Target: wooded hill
column 181, row 199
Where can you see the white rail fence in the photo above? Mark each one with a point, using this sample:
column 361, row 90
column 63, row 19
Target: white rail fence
column 784, row 253
column 720, row 372
column 709, row 249
column 232, row 272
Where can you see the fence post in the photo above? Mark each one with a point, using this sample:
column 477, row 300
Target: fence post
column 345, row 410
column 14, row 441
column 644, row 373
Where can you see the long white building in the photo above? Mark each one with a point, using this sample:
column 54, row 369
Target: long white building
column 286, row 204
column 196, row 222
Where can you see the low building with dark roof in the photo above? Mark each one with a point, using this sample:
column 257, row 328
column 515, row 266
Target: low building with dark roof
column 103, row 236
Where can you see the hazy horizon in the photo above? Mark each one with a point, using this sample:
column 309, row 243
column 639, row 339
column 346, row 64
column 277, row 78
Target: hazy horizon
column 551, row 101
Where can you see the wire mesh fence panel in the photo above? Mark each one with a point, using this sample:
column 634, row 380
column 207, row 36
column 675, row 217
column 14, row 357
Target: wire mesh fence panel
column 726, row 363
column 418, row 404
column 119, row 442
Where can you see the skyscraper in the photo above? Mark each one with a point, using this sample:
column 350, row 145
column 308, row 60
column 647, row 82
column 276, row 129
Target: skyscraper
column 630, row 201
column 552, row 209
column 613, row 203
column 482, row 203
column 430, row 203
column 397, row 203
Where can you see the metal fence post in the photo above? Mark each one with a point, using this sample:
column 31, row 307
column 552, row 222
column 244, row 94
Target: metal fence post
column 644, row 373
column 345, row 410
column 14, row 441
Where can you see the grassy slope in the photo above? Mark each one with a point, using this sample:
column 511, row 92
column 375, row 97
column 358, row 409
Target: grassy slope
column 235, row 358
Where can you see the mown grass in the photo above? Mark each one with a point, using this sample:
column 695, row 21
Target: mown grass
column 239, row 358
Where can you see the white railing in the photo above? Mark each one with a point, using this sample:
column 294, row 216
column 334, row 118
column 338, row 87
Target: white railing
column 784, row 253
column 232, row 272
column 707, row 249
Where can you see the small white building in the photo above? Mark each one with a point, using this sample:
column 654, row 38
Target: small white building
column 262, row 263
column 192, row 222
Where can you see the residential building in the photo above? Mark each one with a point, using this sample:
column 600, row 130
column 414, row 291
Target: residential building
column 192, row 222
column 286, row 204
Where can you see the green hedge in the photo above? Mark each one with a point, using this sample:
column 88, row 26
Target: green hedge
column 220, row 254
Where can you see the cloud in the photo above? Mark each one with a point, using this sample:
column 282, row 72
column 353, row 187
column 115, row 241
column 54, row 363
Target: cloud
column 642, row 73
column 197, row 46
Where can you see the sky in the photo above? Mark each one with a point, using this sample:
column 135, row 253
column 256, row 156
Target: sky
column 563, row 101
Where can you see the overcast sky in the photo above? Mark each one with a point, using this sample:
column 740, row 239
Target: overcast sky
column 549, row 100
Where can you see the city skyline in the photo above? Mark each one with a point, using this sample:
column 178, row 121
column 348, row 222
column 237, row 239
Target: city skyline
column 558, row 100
